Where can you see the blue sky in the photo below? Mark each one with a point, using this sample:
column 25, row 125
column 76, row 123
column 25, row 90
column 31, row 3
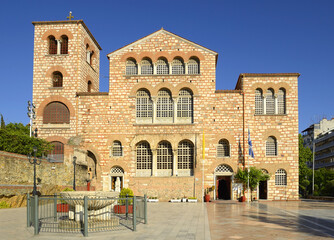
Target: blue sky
column 250, row 36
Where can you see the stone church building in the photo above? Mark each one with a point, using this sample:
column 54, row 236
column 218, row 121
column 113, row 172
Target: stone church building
column 147, row 131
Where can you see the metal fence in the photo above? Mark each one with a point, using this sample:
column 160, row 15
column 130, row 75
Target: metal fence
column 75, row 215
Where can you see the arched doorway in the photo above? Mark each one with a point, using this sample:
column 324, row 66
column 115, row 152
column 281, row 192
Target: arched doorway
column 91, row 167
column 223, row 181
column 263, row 187
column 117, row 178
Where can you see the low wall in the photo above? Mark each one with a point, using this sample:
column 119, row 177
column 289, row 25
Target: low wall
column 17, row 174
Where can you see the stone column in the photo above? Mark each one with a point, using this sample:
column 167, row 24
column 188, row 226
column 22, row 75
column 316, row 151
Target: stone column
column 139, row 68
column 264, row 105
column 186, row 68
column 175, row 172
column 154, row 162
column 170, row 68
column 154, row 109
column 175, row 99
column 154, row 68
column 276, row 105
column 58, row 46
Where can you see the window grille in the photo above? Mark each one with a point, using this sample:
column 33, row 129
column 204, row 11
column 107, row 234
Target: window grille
column 57, row 79
column 185, row 104
column 56, row 112
column 52, row 45
column 223, row 148
column 57, row 154
column 258, row 101
column 281, row 101
column 164, row 104
column 143, row 104
column 117, row 149
column 117, row 170
column 223, row 168
column 89, row 86
column 193, row 66
column 185, row 155
column 177, row 66
column 64, row 45
column 162, row 66
column 146, row 67
column 164, row 156
column 144, row 156
column 270, row 102
column 271, row 147
column 280, row 177
column 131, row 67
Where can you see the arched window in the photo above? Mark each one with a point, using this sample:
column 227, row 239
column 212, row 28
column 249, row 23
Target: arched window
column 185, row 155
column 185, row 104
column 258, row 101
column 144, row 156
column 164, row 156
column 193, row 66
column 89, row 86
column 162, row 66
column 56, row 112
column 280, row 177
column 143, row 105
column 146, row 66
column 89, row 55
column 52, row 45
column 164, row 104
column 270, row 102
column 131, row 67
column 271, row 146
column 57, row 79
column 177, row 66
column 64, row 45
column 57, row 154
column 117, row 150
column 223, row 148
column 281, row 101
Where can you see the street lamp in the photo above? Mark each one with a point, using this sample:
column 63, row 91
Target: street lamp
column 74, row 163
column 31, row 114
column 36, row 161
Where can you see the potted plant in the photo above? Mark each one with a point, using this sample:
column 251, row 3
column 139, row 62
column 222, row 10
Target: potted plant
column 255, row 176
column 63, row 206
column 175, row 200
column 153, row 199
column 207, row 196
column 192, row 199
column 184, row 199
column 123, row 201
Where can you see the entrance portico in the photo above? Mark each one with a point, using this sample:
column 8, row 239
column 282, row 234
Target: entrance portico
column 223, row 179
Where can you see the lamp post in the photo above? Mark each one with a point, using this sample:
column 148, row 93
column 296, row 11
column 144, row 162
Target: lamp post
column 31, row 114
column 74, row 163
column 36, row 161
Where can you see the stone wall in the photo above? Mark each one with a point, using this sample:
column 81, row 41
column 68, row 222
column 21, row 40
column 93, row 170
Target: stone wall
column 16, row 174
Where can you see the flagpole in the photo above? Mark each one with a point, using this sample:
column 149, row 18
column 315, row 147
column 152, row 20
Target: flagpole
column 203, row 155
column 248, row 180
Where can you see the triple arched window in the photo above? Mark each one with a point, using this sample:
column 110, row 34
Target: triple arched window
column 270, row 103
column 166, row 164
column 58, row 46
column 162, row 67
column 164, row 108
column 56, row 113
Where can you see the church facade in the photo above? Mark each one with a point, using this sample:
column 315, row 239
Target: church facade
column 162, row 129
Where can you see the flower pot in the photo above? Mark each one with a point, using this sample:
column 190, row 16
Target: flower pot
column 242, row 199
column 192, row 200
column 121, row 209
column 63, row 207
column 207, row 198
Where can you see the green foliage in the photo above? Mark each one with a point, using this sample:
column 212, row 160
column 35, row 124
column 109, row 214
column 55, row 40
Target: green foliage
column 305, row 173
column 255, row 176
column 14, row 138
column 3, row 125
column 125, row 192
column 4, row 204
column 67, row 189
column 192, row 197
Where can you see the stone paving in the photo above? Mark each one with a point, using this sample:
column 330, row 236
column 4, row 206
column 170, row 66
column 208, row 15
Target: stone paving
column 215, row 220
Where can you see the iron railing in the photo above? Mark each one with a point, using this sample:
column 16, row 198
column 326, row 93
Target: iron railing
column 75, row 215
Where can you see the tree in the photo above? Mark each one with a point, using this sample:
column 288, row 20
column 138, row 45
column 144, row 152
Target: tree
column 15, row 138
column 255, row 176
column 305, row 173
column 3, row 125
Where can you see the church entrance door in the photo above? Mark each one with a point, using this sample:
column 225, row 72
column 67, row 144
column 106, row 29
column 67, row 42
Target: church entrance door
column 223, row 184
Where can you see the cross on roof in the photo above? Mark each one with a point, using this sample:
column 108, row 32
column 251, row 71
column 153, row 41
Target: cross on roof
column 70, row 17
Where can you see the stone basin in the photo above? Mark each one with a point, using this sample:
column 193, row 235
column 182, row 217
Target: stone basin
column 97, row 199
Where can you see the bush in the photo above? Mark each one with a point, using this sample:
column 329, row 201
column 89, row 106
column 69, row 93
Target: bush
column 67, row 189
column 125, row 192
column 4, row 204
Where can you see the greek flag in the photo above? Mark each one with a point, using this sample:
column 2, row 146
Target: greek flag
column 250, row 146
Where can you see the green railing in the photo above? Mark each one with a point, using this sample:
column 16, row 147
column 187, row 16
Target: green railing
column 85, row 215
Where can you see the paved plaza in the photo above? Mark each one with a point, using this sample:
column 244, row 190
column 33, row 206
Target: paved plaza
column 216, row 220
